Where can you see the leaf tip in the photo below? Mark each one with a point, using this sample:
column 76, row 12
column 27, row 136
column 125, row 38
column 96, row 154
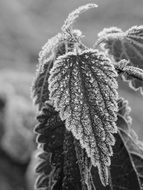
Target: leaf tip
column 75, row 14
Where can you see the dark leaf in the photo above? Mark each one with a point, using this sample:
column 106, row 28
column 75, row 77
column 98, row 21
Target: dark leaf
column 50, row 166
column 126, row 168
column 130, row 138
column 72, row 179
column 57, row 167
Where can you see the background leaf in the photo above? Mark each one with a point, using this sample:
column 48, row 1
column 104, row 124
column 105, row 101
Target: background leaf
column 130, row 138
column 125, row 45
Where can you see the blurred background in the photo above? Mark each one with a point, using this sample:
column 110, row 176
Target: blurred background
column 24, row 28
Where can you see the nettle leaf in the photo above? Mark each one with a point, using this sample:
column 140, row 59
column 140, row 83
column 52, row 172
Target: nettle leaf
column 74, row 15
column 83, row 89
column 125, row 45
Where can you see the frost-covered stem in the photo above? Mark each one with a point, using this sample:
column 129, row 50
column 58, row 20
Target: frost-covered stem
column 131, row 71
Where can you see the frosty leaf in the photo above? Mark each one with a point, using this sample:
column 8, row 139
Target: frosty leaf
column 83, row 89
column 125, row 45
column 129, row 72
column 50, row 136
column 75, row 14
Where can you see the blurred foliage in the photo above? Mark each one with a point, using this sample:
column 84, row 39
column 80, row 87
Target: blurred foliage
column 18, row 115
column 16, row 130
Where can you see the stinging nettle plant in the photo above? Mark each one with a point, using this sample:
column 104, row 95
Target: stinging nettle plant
column 84, row 134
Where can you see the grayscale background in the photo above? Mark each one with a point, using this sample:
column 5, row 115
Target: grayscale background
column 25, row 25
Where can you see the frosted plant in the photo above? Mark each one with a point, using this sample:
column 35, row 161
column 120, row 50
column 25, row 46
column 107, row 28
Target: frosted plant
column 84, row 128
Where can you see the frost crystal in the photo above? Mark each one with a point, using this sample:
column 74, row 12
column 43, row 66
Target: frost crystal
column 125, row 45
column 83, row 89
